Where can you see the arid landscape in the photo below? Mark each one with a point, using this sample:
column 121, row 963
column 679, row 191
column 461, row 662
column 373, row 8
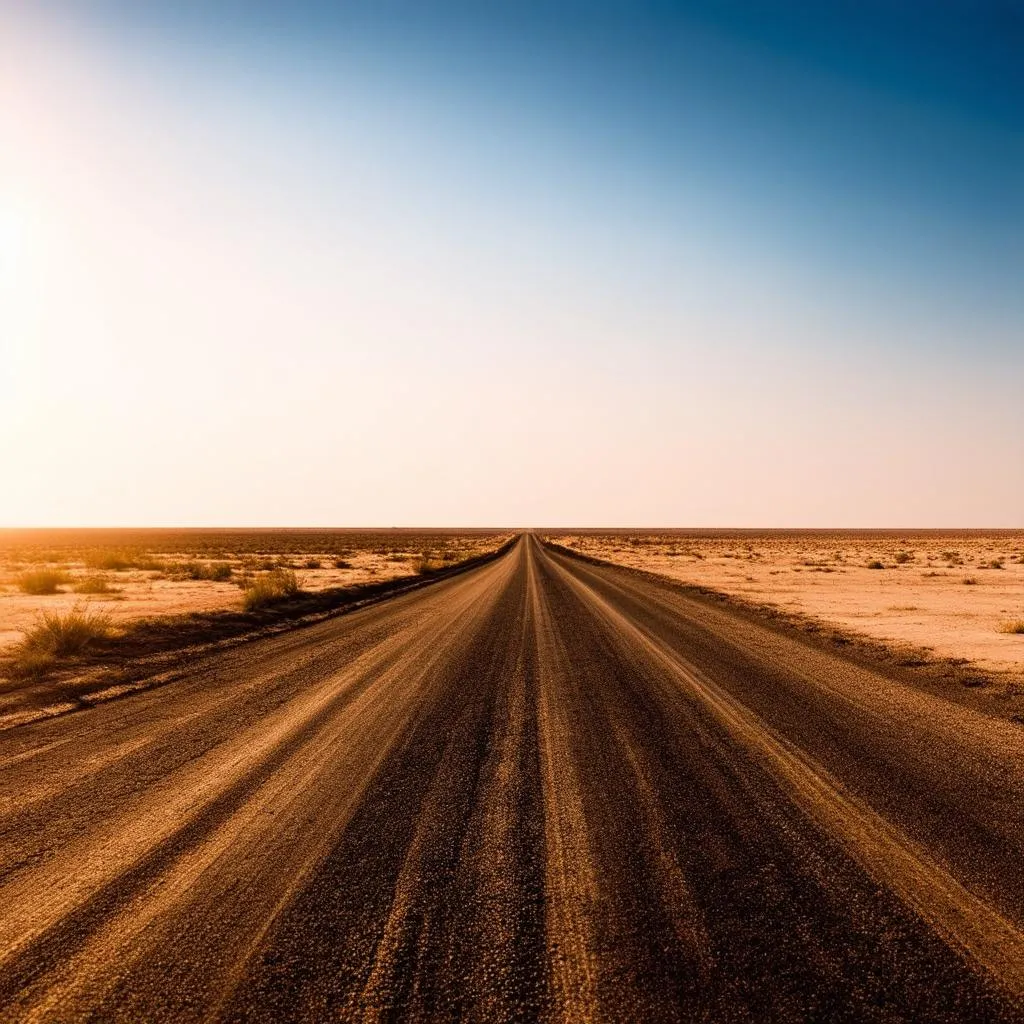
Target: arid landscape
column 533, row 788
column 140, row 574
column 512, row 513
column 942, row 594
column 75, row 604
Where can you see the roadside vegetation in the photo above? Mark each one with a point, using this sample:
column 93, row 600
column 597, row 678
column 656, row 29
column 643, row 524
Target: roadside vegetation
column 160, row 587
column 430, row 561
column 57, row 635
column 268, row 588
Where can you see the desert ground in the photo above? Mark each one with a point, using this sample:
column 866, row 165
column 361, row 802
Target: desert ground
column 535, row 789
column 955, row 594
column 133, row 575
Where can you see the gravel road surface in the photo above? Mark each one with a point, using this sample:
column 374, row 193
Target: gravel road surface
column 540, row 790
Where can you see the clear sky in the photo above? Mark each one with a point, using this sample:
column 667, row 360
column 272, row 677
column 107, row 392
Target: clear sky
column 693, row 264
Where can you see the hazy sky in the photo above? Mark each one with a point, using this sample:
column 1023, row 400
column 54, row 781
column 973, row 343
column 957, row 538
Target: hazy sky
column 594, row 263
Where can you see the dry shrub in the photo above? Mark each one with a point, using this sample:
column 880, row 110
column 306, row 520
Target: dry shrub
column 253, row 564
column 427, row 563
column 1014, row 626
column 875, row 565
column 430, row 562
column 42, row 581
column 269, row 587
column 113, row 561
column 193, row 570
column 95, row 585
column 57, row 635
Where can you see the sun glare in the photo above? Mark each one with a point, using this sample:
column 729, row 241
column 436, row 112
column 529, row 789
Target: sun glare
column 14, row 243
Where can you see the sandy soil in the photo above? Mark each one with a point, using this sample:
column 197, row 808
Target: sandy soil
column 166, row 589
column 940, row 591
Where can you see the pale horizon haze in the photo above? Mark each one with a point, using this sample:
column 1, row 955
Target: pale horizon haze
column 694, row 265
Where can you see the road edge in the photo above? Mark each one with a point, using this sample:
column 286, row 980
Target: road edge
column 115, row 670
column 956, row 680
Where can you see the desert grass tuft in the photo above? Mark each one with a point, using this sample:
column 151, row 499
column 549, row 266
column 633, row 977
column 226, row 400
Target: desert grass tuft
column 1013, row 626
column 195, row 570
column 268, row 588
column 429, row 562
column 58, row 635
column 875, row 565
column 95, row 585
column 113, row 561
column 42, row 581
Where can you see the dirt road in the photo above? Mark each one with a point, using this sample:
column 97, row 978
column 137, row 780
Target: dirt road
column 539, row 790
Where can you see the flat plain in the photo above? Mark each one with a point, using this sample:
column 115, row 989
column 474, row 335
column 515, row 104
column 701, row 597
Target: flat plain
column 142, row 574
column 536, row 789
column 947, row 594
column 88, row 615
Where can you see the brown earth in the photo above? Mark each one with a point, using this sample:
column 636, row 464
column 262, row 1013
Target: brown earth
column 541, row 790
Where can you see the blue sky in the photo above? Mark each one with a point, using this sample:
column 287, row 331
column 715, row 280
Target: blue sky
column 624, row 264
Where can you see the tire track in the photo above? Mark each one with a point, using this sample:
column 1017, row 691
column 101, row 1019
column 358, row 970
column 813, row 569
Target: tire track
column 408, row 917
column 571, row 888
column 199, row 813
column 961, row 918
